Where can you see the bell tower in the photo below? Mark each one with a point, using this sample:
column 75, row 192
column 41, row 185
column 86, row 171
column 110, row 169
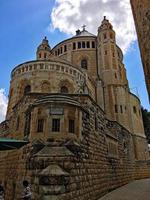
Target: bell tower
column 43, row 50
column 111, row 70
column 106, row 49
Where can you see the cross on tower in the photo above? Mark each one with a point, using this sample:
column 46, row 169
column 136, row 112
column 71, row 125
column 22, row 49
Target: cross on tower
column 83, row 27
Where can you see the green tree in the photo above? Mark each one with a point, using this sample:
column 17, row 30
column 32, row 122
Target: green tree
column 146, row 121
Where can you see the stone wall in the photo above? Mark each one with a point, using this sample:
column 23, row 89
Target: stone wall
column 141, row 13
column 142, row 169
column 100, row 161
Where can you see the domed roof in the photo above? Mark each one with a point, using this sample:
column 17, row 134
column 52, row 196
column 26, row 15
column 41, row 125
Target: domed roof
column 83, row 33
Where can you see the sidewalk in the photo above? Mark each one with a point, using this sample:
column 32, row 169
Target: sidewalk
column 137, row 190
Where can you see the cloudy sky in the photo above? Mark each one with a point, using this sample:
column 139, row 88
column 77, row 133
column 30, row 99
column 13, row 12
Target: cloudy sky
column 67, row 15
column 25, row 23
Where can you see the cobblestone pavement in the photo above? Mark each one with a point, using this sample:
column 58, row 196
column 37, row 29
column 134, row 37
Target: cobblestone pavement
column 137, row 190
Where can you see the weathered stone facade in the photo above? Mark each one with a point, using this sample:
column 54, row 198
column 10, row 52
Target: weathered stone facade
column 141, row 13
column 84, row 126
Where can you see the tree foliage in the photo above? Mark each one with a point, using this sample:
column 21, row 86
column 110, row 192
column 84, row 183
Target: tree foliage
column 146, row 121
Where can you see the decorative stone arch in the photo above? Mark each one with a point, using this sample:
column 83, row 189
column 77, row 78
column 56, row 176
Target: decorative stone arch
column 27, row 89
column 45, row 87
column 24, row 87
column 65, row 86
column 84, row 62
column 64, row 90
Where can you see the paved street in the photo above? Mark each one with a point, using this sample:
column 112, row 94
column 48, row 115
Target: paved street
column 137, row 190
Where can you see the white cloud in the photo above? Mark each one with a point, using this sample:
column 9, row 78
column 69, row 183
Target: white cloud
column 69, row 15
column 3, row 104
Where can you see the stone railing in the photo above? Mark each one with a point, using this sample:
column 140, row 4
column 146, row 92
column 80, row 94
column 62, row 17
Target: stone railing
column 47, row 66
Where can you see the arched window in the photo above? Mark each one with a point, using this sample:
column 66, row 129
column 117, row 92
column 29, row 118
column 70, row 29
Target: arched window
column 121, row 110
column 93, row 44
column 71, row 127
column 83, row 44
column 45, row 55
column 40, row 125
column 116, row 108
column 74, row 45
column 27, row 89
column 65, row 48
column 64, row 90
column 134, row 109
column 84, row 63
column 79, row 45
column 88, row 44
column 105, row 36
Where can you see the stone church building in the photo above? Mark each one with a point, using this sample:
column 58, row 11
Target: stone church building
column 84, row 126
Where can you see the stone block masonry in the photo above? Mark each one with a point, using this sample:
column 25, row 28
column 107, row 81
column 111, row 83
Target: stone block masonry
column 85, row 128
column 75, row 169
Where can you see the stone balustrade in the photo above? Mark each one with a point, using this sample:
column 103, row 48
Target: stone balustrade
column 47, row 66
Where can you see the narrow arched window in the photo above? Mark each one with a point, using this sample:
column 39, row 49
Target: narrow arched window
column 40, row 125
column 79, row 45
column 45, row 55
column 65, row 48
column 71, row 127
column 105, row 36
column 116, row 108
column 74, row 45
column 84, row 64
column 83, row 44
column 121, row 109
column 27, row 89
column 134, row 109
column 88, row 44
column 93, row 44
column 64, row 90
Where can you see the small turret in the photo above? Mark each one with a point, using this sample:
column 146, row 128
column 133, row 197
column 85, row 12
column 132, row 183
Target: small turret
column 43, row 50
column 106, row 24
column 106, row 29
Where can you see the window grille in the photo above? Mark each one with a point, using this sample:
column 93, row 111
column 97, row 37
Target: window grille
column 55, row 125
column 40, row 125
column 71, row 126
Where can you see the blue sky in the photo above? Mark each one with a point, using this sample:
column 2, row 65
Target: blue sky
column 23, row 25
